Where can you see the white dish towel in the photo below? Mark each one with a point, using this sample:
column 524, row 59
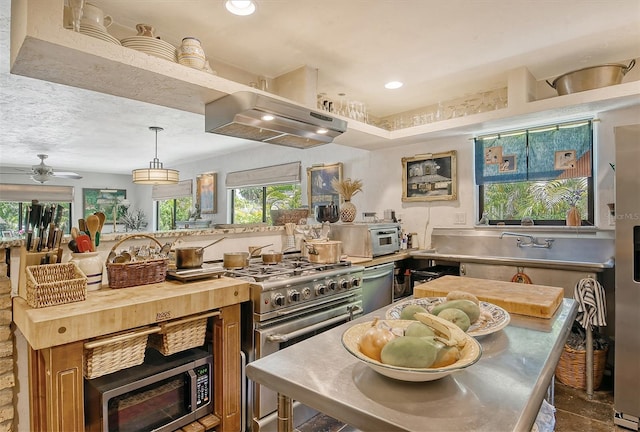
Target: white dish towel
column 592, row 305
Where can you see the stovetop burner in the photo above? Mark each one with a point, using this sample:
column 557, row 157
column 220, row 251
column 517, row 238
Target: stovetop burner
column 287, row 268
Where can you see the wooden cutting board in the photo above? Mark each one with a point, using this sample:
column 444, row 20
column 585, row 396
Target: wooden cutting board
column 524, row 299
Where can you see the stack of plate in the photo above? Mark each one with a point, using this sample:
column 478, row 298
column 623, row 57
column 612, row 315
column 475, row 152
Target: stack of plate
column 97, row 31
column 152, row 46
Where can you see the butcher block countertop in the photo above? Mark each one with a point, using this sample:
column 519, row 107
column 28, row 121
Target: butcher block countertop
column 109, row 311
column 538, row 301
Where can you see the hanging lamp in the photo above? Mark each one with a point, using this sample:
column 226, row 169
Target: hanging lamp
column 155, row 174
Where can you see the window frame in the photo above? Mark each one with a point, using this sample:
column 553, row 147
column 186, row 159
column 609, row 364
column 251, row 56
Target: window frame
column 590, row 190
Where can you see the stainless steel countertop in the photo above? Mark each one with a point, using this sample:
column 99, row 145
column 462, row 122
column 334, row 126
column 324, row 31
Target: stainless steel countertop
column 502, row 392
column 516, row 261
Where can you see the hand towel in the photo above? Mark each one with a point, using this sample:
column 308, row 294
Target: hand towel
column 592, row 307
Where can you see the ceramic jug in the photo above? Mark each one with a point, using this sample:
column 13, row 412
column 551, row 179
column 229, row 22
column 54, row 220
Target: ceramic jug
column 91, row 265
column 145, row 30
column 190, row 53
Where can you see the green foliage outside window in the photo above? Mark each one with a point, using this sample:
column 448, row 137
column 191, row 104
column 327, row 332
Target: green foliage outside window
column 252, row 204
column 172, row 210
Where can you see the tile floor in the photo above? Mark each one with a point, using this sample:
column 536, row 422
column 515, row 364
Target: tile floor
column 574, row 412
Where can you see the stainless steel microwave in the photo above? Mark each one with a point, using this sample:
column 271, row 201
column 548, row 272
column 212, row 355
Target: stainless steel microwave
column 162, row 394
column 367, row 239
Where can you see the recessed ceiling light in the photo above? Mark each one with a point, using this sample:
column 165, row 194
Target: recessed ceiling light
column 240, row 7
column 392, row 85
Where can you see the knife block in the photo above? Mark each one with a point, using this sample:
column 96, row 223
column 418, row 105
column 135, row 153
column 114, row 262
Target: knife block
column 29, row 259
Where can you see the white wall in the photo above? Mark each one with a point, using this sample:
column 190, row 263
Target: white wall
column 381, row 172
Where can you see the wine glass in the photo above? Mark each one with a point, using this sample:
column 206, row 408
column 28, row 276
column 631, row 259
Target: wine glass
column 76, row 7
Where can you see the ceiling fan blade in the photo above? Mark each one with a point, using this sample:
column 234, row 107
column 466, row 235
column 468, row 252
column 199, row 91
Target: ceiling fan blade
column 66, row 174
column 16, row 173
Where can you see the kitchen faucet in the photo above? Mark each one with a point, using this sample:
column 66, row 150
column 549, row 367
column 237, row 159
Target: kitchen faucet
column 533, row 242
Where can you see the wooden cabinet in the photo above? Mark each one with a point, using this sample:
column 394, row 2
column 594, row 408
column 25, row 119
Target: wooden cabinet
column 56, row 388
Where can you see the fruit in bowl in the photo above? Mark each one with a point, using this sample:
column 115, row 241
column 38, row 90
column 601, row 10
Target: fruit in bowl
column 413, row 357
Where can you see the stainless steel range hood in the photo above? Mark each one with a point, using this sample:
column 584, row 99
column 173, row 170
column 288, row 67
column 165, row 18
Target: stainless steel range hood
column 258, row 117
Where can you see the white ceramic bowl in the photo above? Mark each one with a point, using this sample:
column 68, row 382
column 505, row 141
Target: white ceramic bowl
column 493, row 317
column 470, row 354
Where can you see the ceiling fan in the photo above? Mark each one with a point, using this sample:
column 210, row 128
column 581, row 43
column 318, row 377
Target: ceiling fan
column 42, row 173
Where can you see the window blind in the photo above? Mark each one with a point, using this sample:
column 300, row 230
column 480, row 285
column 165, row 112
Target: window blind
column 178, row 190
column 546, row 153
column 44, row 193
column 276, row 174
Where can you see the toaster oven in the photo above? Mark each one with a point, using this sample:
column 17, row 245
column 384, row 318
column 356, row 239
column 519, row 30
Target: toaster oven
column 367, row 240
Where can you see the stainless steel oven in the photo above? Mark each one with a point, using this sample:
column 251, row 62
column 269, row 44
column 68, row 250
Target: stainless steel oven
column 290, row 306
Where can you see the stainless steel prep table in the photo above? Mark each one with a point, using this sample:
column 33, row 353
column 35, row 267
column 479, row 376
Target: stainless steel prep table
column 502, row 392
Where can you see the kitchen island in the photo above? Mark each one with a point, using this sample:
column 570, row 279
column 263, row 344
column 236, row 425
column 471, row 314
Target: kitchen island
column 502, row 392
column 59, row 336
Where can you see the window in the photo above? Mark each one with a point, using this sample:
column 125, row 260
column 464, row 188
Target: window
column 14, row 209
column 173, row 203
column 538, row 174
column 254, row 204
column 255, row 192
column 172, row 210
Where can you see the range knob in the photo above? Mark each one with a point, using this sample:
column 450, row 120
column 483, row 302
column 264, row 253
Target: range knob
column 294, row 296
column 306, row 293
column 355, row 282
column 277, row 300
column 321, row 289
column 344, row 284
column 333, row 285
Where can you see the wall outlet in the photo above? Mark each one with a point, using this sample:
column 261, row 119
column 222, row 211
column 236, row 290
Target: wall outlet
column 460, row 219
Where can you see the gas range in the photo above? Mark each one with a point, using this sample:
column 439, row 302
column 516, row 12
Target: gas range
column 296, row 284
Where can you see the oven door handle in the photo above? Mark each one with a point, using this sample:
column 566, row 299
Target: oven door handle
column 331, row 299
column 301, row 332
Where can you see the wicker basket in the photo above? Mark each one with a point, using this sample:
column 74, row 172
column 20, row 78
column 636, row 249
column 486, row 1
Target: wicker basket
column 123, row 275
column 179, row 335
column 572, row 369
column 281, row 217
column 53, row 284
column 111, row 354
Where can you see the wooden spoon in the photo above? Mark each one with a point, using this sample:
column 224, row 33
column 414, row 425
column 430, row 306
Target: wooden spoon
column 102, row 217
column 93, row 226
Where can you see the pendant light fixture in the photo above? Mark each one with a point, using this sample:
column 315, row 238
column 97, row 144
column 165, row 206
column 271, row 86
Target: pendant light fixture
column 155, row 174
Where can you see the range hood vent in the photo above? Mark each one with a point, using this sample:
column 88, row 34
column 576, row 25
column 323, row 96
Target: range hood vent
column 258, row 117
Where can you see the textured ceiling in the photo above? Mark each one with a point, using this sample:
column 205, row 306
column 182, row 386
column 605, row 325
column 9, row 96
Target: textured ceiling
column 440, row 49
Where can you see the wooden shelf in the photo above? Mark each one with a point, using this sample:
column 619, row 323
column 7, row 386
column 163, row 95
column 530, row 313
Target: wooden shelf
column 41, row 48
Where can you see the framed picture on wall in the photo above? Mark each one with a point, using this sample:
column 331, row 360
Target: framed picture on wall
column 319, row 189
column 206, row 198
column 429, row 177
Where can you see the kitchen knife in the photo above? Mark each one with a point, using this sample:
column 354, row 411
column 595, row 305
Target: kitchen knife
column 51, row 235
column 58, row 217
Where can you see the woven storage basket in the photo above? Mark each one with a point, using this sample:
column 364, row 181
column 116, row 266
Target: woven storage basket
column 179, row 335
column 572, row 367
column 53, row 284
column 111, row 354
column 123, row 275
column 281, row 217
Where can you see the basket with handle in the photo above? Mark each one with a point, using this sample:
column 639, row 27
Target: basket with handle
column 113, row 353
column 123, row 275
column 181, row 334
column 53, row 284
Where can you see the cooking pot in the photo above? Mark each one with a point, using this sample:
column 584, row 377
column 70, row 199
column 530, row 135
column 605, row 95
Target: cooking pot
column 324, row 251
column 191, row 257
column 235, row 260
column 271, row 257
column 590, row 78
